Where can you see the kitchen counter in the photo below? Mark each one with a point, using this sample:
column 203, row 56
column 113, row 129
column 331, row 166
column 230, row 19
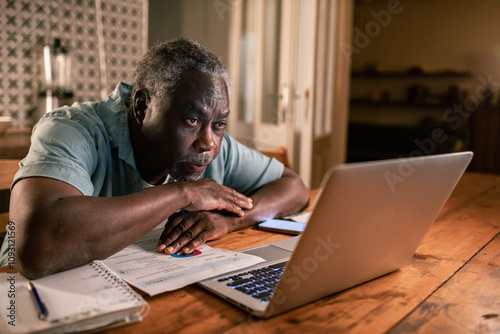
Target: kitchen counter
column 15, row 143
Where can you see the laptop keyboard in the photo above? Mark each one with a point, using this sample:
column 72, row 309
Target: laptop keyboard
column 258, row 283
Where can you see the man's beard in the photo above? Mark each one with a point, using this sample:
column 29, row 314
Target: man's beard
column 176, row 171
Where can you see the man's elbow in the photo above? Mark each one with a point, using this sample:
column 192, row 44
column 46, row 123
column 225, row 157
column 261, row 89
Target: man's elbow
column 305, row 197
column 31, row 262
column 38, row 254
column 30, row 272
column 301, row 192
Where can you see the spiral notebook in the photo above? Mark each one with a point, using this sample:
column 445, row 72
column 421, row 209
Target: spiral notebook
column 82, row 299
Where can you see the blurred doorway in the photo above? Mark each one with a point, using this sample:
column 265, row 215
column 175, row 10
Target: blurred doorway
column 284, row 58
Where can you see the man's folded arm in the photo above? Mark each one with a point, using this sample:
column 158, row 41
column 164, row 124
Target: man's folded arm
column 59, row 228
column 284, row 196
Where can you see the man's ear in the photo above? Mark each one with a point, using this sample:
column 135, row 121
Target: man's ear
column 141, row 102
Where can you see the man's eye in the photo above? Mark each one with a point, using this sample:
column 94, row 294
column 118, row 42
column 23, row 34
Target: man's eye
column 220, row 125
column 192, row 121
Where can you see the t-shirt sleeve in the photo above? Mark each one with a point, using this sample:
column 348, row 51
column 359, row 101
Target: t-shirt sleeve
column 242, row 168
column 61, row 149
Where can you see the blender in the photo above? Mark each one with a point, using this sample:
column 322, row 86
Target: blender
column 55, row 76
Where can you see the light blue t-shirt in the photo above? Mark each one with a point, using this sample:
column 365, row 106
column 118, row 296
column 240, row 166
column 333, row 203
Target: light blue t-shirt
column 88, row 146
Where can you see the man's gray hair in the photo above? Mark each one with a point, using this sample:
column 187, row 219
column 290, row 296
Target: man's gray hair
column 159, row 71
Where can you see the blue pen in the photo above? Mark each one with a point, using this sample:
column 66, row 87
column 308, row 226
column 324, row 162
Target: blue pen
column 42, row 310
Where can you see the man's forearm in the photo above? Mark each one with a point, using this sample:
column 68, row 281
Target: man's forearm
column 279, row 198
column 58, row 234
column 61, row 229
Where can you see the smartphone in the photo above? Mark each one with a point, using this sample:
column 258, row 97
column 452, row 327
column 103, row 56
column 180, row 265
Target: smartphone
column 282, row 226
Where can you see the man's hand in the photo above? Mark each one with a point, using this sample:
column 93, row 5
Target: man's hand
column 185, row 231
column 208, row 195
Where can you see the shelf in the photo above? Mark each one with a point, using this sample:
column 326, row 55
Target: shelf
column 375, row 142
column 398, row 104
column 410, row 75
column 402, row 119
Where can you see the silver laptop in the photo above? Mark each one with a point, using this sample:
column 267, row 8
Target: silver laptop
column 367, row 221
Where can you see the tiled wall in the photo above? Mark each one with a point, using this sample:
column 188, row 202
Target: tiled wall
column 24, row 22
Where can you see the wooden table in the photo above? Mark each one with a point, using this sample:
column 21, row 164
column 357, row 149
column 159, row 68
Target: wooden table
column 15, row 143
column 452, row 284
column 8, row 168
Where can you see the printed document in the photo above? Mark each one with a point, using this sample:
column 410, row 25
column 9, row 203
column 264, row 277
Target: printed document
column 143, row 267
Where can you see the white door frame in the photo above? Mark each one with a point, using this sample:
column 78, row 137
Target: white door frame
column 298, row 80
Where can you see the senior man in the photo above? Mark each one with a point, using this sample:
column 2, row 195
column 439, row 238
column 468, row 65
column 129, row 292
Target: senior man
column 98, row 176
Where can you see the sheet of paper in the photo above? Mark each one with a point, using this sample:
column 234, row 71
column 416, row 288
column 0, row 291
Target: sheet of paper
column 152, row 272
column 301, row 217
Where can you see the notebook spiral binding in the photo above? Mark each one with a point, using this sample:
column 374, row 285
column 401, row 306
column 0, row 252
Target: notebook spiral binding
column 111, row 276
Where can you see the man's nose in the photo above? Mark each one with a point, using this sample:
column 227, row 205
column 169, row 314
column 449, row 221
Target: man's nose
column 205, row 140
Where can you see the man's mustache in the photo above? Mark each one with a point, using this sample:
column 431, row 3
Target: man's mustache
column 201, row 159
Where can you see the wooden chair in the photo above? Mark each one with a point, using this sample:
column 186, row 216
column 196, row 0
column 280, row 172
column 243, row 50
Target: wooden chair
column 485, row 139
column 8, row 168
column 280, row 154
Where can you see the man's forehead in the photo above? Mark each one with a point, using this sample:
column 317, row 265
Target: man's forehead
column 196, row 83
column 203, row 78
